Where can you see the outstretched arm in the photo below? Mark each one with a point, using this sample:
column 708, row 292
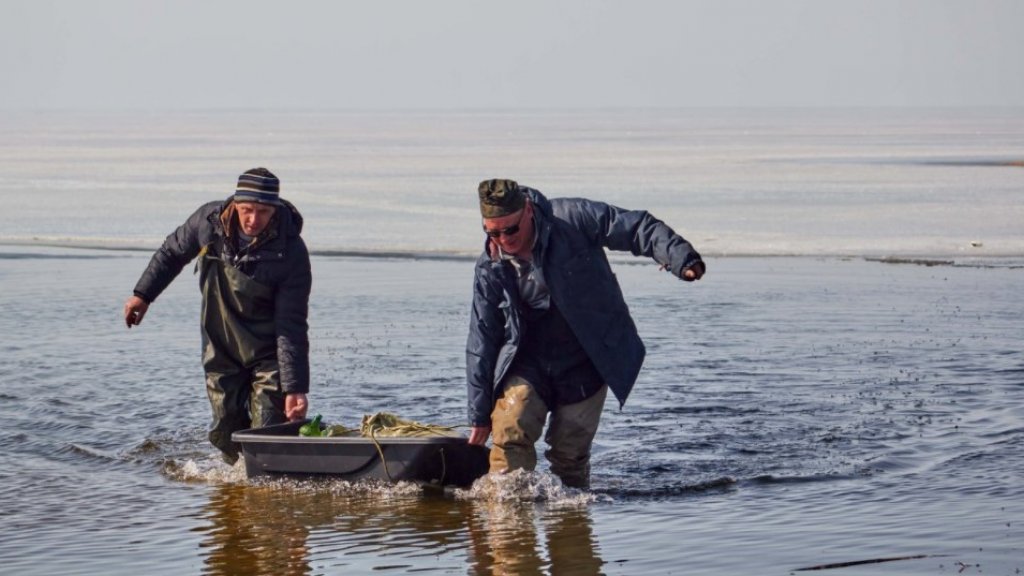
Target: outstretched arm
column 180, row 247
column 638, row 232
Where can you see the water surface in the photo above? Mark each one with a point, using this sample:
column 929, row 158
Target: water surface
column 792, row 412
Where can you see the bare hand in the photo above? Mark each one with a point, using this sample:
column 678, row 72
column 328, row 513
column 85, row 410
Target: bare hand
column 478, row 435
column 295, row 406
column 134, row 310
column 694, row 272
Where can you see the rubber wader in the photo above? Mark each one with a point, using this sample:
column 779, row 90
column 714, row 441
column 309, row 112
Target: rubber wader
column 239, row 353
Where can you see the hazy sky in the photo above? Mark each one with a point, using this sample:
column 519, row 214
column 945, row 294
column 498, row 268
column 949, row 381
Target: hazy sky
column 115, row 54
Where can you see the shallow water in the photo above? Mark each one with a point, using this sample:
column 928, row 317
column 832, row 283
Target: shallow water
column 792, row 412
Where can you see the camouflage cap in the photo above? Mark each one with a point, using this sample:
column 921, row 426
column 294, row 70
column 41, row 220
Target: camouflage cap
column 500, row 197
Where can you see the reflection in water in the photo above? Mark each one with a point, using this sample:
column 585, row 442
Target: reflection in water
column 293, row 528
column 571, row 543
column 506, row 540
column 257, row 531
column 512, row 511
column 302, row 527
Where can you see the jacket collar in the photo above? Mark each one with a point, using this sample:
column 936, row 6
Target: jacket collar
column 542, row 223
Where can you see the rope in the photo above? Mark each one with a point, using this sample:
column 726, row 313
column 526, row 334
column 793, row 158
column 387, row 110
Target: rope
column 380, row 451
column 389, row 425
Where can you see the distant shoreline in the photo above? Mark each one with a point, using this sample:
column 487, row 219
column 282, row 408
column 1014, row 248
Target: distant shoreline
column 1012, row 261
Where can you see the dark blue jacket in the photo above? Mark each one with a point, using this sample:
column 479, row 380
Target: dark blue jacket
column 572, row 235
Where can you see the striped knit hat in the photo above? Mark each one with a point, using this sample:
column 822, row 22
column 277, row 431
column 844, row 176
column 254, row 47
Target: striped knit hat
column 258, row 185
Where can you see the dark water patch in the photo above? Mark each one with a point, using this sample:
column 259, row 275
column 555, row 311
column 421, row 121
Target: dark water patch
column 979, row 162
column 915, row 261
column 851, row 563
column 658, row 469
column 83, row 244
column 1012, row 436
column 144, row 448
column 44, row 438
column 710, row 410
column 976, row 262
column 13, row 439
column 1011, row 371
column 89, row 453
column 771, row 479
column 939, row 162
column 75, row 244
column 396, row 255
column 679, row 489
column 40, row 256
column 166, row 446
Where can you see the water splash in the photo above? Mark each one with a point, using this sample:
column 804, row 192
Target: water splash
column 525, row 486
column 211, row 470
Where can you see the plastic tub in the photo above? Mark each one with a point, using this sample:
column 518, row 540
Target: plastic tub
column 440, row 460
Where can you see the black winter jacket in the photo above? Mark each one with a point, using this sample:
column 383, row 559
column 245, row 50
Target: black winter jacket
column 280, row 260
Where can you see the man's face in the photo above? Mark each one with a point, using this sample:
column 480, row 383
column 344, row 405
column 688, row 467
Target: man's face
column 514, row 232
column 253, row 217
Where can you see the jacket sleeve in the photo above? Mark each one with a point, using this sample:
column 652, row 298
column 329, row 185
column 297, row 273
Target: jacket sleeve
column 486, row 334
column 635, row 231
column 291, row 313
column 180, row 247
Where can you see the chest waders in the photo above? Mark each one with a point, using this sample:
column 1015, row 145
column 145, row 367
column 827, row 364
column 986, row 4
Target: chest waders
column 551, row 379
column 243, row 380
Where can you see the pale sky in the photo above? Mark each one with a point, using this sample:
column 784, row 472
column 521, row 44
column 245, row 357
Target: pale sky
column 380, row 54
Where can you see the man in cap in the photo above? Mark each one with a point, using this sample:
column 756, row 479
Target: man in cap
column 549, row 330
column 254, row 274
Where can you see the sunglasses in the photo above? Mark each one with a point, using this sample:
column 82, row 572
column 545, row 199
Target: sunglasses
column 510, row 231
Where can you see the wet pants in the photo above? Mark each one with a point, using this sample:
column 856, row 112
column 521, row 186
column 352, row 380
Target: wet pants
column 241, row 399
column 551, row 374
column 518, row 420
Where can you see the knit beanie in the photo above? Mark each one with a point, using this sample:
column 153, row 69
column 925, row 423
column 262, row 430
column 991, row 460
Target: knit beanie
column 258, row 185
column 500, row 198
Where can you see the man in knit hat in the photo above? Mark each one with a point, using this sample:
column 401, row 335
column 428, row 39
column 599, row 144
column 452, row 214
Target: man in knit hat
column 254, row 274
column 549, row 330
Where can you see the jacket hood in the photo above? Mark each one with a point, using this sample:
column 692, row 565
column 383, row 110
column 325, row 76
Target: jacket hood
column 538, row 200
column 293, row 216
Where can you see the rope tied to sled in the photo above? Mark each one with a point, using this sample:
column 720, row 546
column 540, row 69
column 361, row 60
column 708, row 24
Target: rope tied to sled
column 388, row 425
